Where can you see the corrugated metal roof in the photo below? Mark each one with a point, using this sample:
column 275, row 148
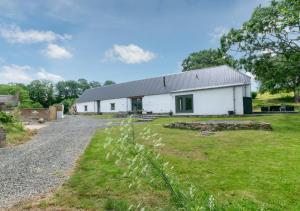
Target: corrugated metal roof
column 196, row 79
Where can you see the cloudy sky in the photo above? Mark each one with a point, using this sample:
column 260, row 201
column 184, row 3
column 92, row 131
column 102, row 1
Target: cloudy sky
column 120, row 40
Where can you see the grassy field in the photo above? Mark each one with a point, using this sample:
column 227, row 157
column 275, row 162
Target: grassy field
column 244, row 170
column 276, row 99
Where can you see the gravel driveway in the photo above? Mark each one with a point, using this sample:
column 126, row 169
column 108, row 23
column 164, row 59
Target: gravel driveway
column 42, row 164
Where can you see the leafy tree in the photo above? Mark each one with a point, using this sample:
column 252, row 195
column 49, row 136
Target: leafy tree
column 94, row 84
column 42, row 91
column 21, row 89
column 207, row 58
column 83, row 84
column 269, row 44
column 108, row 82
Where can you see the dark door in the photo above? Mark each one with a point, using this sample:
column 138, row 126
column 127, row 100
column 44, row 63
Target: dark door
column 247, row 101
column 98, row 106
column 184, row 104
column 137, row 104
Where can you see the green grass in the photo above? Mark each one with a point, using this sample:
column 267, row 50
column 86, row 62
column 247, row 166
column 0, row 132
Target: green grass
column 244, row 170
column 104, row 116
column 276, row 99
column 16, row 134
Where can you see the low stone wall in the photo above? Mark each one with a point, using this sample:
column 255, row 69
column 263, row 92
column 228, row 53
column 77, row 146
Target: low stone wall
column 221, row 125
column 35, row 114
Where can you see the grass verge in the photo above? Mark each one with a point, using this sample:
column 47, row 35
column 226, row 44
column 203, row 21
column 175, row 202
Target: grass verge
column 244, row 170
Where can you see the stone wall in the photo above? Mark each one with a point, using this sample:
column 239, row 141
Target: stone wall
column 35, row 114
column 221, row 125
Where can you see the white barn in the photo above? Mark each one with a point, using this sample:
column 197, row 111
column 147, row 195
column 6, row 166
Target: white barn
column 209, row 91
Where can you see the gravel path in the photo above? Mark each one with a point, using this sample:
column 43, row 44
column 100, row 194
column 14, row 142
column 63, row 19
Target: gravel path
column 43, row 163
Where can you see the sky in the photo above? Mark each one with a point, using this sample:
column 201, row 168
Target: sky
column 110, row 40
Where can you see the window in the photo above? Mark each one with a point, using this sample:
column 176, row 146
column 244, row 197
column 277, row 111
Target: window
column 184, row 104
column 112, row 106
column 85, row 108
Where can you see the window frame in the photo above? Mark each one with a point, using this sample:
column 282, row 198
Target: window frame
column 180, row 103
column 113, row 106
column 85, row 108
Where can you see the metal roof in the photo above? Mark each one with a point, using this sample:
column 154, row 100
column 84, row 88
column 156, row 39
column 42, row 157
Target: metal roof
column 206, row 78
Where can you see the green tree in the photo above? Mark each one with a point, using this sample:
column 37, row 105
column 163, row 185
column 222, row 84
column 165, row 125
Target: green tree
column 207, row 58
column 22, row 91
column 83, row 84
column 94, row 84
column 269, row 45
column 108, row 82
column 42, row 91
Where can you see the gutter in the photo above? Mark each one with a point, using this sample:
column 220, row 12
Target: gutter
column 211, row 87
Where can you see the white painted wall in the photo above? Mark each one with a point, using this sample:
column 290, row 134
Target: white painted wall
column 121, row 105
column 92, row 107
column 157, row 103
column 205, row 102
column 214, row 101
column 247, row 91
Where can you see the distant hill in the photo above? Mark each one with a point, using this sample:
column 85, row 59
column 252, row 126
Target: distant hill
column 276, row 99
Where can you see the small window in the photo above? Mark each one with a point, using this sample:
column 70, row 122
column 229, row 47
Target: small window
column 85, row 108
column 184, row 104
column 112, row 106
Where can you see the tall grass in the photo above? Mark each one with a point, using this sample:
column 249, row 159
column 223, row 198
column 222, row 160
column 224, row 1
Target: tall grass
column 143, row 163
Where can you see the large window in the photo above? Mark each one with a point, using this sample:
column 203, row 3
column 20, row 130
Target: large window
column 184, row 104
column 112, row 106
column 85, row 108
column 137, row 104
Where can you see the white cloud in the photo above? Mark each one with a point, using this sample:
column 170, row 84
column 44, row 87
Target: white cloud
column 15, row 73
column 25, row 74
column 15, row 34
column 129, row 54
column 217, row 33
column 54, row 51
column 44, row 75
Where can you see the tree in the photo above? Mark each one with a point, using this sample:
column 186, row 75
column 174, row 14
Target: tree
column 83, row 84
column 94, row 84
column 42, row 91
column 269, row 44
column 207, row 58
column 108, row 82
column 21, row 89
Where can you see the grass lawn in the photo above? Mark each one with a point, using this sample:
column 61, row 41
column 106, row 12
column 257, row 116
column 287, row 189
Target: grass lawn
column 244, row 170
column 276, row 99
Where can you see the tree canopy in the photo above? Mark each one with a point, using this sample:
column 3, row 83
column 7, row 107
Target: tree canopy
column 207, row 58
column 43, row 93
column 269, row 44
column 108, row 82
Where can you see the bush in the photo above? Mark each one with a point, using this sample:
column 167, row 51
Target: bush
column 5, row 118
column 253, row 95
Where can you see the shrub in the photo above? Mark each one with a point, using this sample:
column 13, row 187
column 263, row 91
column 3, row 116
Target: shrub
column 5, row 118
column 253, row 95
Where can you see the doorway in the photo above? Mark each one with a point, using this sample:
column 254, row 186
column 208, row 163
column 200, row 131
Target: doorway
column 98, row 107
column 137, row 104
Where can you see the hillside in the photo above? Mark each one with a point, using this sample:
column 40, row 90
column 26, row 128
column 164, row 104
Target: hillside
column 276, row 99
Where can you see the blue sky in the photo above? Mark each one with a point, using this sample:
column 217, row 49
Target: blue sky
column 109, row 40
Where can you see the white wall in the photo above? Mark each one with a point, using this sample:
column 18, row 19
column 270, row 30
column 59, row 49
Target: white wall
column 91, row 106
column 121, row 105
column 214, row 101
column 205, row 102
column 157, row 103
